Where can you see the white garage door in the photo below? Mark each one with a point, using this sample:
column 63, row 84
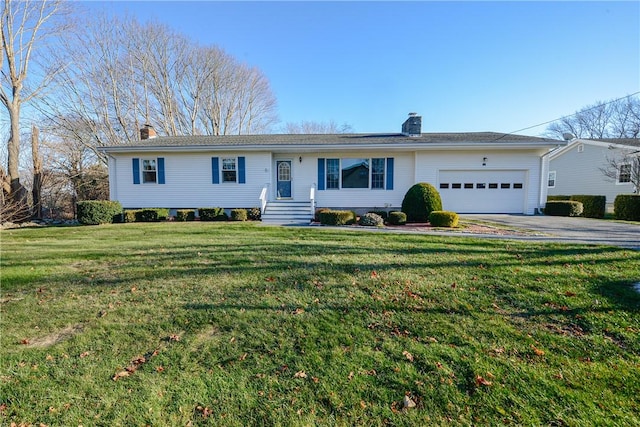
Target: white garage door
column 483, row 191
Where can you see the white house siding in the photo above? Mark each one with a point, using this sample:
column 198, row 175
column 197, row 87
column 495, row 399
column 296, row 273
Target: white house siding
column 432, row 167
column 579, row 173
column 188, row 182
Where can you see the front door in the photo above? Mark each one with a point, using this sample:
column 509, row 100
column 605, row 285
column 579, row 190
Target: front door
column 283, row 175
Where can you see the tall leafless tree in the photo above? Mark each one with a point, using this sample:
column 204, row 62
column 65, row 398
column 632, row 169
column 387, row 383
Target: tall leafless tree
column 28, row 31
column 312, row 127
column 613, row 119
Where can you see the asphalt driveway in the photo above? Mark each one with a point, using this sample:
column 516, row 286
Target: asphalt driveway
column 567, row 230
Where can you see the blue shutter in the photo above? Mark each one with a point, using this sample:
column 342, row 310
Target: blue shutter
column 321, row 174
column 241, row 171
column 136, row 171
column 160, row 170
column 215, row 170
column 389, row 173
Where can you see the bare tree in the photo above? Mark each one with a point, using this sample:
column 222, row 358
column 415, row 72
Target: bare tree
column 619, row 118
column 27, row 28
column 624, row 167
column 36, row 190
column 311, row 127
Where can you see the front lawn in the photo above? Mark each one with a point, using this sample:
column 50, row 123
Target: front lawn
column 176, row 324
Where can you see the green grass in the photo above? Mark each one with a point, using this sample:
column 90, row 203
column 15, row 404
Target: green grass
column 241, row 325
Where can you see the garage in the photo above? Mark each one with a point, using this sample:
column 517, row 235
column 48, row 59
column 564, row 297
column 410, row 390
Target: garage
column 483, row 191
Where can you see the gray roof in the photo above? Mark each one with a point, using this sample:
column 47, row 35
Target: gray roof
column 634, row 142
column 314, row 141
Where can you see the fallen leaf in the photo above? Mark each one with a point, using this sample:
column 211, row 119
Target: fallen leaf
column 298, row 311
column 83, row 355
column 438, row 365
column 350, row 375
column 270, row 279
column 363, row 405
column 374, row 275
column 24, row 342
column 570, row 294
column 133, row 289
column 244, row 356
column 120, row 374
column 174, row 337
column 315, row 379
column 49, row 357
column 482, row 381
column 537, row 351
column 159, row 369
column 300, row 374
column 408, row 355
column 408, row 402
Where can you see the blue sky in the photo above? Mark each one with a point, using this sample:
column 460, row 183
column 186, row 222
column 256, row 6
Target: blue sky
column 463, row 66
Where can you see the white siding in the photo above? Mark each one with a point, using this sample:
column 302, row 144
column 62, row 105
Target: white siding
column 579, row 173
column 188, row 182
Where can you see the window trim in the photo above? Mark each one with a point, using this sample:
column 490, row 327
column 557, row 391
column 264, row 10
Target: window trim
column 555, row 179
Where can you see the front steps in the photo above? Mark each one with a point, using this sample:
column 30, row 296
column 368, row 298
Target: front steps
column 287, row 212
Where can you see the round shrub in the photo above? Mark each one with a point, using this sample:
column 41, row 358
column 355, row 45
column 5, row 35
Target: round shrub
column 592, row 206
column 371, row 219
column 185, row 215
column 331, row 217
column 443, row 219
column 238, row 214
column 319, row 212
column 397, row 218
column 212, row 214
column 130, row 215
column 93, row 212
column 420, row 201
column 627, row 207
column 563, row 208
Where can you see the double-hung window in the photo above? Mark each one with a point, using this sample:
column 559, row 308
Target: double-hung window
column 333, row 174
column 551, row 181
column 149, row 171
column 624, row 173
column 229, row 169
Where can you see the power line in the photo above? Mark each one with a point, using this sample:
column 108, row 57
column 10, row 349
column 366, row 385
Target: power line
column 569, row 115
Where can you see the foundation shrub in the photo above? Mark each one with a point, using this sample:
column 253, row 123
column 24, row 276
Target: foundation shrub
column 239, row 215
column 212, row 214
column 443, row 219
column 563, row 208
column 93, row 212
column 592, row 206
column 331, row 217
column 185, row 215
column 371, row 219
column 627, row 207
column 397, row 218
column 419, row 201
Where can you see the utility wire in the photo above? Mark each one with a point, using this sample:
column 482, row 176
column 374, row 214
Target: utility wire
column 569, row 115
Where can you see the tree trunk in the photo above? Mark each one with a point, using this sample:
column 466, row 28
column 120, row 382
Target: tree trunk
column 37, row 173
column 13, row 148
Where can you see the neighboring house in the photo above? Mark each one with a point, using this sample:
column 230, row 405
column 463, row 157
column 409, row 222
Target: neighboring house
column 577, row 168
column 283, row 174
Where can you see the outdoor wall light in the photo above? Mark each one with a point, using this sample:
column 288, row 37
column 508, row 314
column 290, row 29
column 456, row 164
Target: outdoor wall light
column 300, row 159
column 484, row 161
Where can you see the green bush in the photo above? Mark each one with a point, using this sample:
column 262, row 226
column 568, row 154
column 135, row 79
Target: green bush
column 397, row 218
column 330, row 217
column 592, row 206
column 212, row 214
column 443, row 219
column 185, row 215
column 382, row 214
column 371, row 219
column 254, row 214
column 238, row 214
column 420, row 201
column 147, row 215
column 563, row 208
column 627, row 207
column 558, row 197
column 93, row 212
column 316, row 217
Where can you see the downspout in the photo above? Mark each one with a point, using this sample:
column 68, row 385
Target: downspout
column 113, row 188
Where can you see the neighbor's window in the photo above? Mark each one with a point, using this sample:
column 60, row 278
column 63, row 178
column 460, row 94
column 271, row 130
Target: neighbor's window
column 624, row 173
column 149, row 171
column 551, row 181
column 229, row 171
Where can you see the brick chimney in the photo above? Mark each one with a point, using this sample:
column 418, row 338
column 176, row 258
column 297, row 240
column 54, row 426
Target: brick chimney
column 148, row 132
column 413, row 125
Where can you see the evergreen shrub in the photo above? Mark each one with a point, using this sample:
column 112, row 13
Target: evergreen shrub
column 419, row 201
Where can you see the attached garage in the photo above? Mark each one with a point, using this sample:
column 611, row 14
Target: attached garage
column 483, row 191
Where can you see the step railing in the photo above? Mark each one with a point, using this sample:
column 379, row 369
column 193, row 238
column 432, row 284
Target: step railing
column 263, row 198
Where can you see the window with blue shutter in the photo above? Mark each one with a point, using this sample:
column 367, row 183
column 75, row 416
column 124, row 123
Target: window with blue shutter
column 389, row 173
column 136, row 171
column 321, row 175
column 215, row 170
